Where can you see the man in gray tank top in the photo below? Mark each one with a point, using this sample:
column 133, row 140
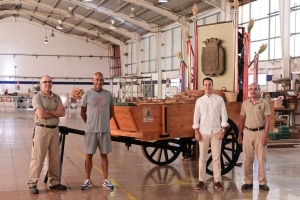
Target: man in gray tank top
column 96, row 111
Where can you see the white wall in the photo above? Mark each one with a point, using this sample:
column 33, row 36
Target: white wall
column 24, row 38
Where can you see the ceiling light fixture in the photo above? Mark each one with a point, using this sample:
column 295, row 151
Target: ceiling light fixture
column 98, row 34
column 112, row 26
column 86, row 39
column 163, row 1
column 70, row 12
column 46, row 40
column 52, row 34
column 59, row 25
column 132, row 13
column 87, row 0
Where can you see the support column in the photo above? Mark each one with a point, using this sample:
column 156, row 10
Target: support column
column 138, row 63
column 123, row 58
column 284, row 13
column 225, row 11
column 158, row 38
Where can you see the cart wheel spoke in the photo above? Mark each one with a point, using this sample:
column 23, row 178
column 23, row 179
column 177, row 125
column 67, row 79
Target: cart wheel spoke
column 226, row 156
column 159, row 153
column 209, row 150
column 166, row 154
column 228, row 141
column 229, row 149
column 153, row 152
column 209, row 161
column 229, row 130
column 222, row 163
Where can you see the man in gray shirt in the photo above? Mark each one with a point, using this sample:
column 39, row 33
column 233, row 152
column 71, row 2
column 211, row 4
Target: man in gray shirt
column 96, row 111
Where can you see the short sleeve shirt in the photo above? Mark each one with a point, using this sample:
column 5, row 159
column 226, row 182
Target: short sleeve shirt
column 39, row 100
column 255, row 113
column 98, row 110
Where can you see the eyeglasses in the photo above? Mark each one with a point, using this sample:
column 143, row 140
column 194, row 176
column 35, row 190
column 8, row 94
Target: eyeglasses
column 253, row 89
column 46, row 82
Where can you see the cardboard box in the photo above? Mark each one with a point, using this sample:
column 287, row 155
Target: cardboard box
column 294, row 135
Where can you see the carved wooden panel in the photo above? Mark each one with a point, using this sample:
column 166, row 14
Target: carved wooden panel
column 213, row 59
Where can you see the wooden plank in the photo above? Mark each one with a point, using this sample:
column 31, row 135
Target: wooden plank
column 173, row 134
column 180, row 117
column 134, row 119
column 149, row 124
column 283, row 143
column 163, row 119
column 136, row 135
column 113, row 123
column 124, row 118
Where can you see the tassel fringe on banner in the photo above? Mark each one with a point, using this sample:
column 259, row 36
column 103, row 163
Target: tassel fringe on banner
column 181, row 71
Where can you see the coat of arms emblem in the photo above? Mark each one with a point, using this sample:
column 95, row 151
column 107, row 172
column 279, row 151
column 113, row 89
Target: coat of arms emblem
column 212, row 58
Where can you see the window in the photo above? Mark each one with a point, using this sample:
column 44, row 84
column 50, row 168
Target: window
column 174, row 82
column 266, row 29
column 295, row 28
column 262, row 79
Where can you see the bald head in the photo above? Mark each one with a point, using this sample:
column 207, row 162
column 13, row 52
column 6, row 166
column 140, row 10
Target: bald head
column 255, row 85
column 254, row 90
column 98, row 81
column 98, row 74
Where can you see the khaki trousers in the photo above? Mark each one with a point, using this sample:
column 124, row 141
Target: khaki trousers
column 252, row 143
column 212, row 139
column 44, row 140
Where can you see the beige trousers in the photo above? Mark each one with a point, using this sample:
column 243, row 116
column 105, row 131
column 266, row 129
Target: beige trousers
column 252, row 143
column 215, row 143
column 44, row 140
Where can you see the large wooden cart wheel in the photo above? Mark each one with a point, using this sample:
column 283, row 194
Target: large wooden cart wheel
column 161, row 154
column 230, row 150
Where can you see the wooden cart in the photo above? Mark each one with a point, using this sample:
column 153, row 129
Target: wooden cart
column 165, row 131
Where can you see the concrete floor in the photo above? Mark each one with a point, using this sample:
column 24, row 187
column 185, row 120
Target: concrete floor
column 132, row 174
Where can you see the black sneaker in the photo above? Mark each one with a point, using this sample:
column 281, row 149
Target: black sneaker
column 264, row 187
column 247, row 186
column 33, row 190
column 58, row 187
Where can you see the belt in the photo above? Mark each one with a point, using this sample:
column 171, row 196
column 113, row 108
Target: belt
column 255, row 129
column 47, row 126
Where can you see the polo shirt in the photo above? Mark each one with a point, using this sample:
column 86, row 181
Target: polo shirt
column 39, row 100
column 255, row 113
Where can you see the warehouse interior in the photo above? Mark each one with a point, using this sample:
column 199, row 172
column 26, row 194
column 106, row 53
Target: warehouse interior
column 151, row 53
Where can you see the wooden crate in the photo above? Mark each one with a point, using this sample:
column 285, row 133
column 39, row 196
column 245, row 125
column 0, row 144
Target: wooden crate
column 295, row 135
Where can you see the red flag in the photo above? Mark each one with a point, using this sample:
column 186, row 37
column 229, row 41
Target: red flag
column 255, row 71
column 246, row 41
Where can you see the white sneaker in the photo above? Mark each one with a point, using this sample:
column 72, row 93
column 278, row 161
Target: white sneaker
column 86, row 184
column 107, row 184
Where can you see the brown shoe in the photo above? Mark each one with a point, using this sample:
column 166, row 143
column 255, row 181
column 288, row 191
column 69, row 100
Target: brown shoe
column 200, row 186
column 219, row 186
